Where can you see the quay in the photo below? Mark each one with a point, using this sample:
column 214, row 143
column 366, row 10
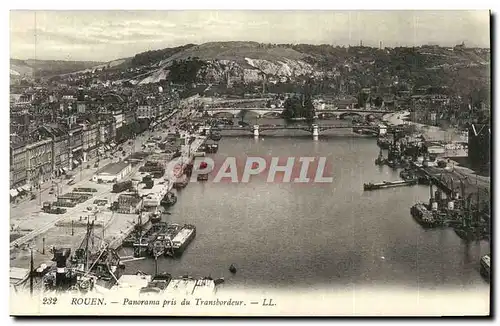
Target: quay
column 59, row 230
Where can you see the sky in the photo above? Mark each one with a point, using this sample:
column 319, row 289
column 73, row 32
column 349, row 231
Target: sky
column 110, row 35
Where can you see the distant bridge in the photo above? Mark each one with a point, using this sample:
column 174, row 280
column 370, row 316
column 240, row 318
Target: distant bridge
column 273, row 112
column 315, row 128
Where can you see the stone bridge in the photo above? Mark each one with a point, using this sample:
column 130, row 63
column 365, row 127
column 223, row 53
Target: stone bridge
column 270, row 112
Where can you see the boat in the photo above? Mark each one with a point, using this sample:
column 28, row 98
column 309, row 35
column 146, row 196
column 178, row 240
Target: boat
column 169, row 199
column 155, row 216
column 141, row 239
column 423, row 215
column 161, row 240
column 408, row 175
column 211, row 147
column 388, row 184
column 380, row 160
column 215, row 136
column 174, row 243
column 383, row 142
column 202, row 177
column 181, row 182
column 485, row 266
column 158, row 284
column 182, row 239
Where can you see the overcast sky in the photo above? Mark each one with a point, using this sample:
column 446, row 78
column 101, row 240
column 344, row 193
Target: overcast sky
column 108, row 35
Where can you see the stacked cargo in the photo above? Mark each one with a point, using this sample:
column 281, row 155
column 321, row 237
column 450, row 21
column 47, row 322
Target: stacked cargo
column 122, row 186
column 154, row 168
column 72, row 199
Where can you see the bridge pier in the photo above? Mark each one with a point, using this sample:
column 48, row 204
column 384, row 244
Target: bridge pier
column 256, row 131
column 315, row 131
column 382, row 130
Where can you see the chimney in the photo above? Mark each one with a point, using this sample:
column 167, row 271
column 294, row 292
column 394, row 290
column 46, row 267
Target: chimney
column 60, row 257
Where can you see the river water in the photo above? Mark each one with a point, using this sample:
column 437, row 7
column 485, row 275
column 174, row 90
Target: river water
column 283, row 235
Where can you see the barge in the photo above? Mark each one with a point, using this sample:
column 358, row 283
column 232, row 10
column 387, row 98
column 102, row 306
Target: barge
column 210, row 147
column 423, row 215
column 388, row 184
column 202, row 177
column 174, row 241
column 169, row 199
column 181, row 182
column 143, row 234
column 216, row 136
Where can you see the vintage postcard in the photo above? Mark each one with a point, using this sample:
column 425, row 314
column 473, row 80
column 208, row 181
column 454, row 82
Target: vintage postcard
column 250, row 163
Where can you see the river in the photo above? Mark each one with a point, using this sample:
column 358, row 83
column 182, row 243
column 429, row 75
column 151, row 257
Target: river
column 283, row 235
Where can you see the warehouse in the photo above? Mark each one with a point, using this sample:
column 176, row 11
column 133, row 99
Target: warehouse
column 113, row 172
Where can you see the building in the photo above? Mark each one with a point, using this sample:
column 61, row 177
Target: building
column 129, row 117
column 39, row 161
column 146, row 111
column 81, row 106
column 106, row 125
column 91, row 140
column 118, row 119
column 18, row 170
column 479, row 146
column 75, row 146
column 113, row 172
column 60, row 147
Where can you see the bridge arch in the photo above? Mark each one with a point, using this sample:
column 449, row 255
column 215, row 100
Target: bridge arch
column 273, row 114
column 350, row 115
column 327, row 115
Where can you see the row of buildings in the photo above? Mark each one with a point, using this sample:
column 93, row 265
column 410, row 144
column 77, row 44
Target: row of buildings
column 51, row 142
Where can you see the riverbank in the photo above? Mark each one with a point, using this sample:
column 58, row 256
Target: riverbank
column 433, row 133
column 46, row 230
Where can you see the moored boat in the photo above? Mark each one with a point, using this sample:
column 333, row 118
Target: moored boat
column 175, row 246
column 181, row 182
column 423, row 215
column 169, row 199
column 215, row 136
column 388, row 184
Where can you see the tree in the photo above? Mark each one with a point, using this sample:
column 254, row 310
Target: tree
column 308, row 109
column 296, row 107
column 242, row 114
column 362, row 98
column 378, row 101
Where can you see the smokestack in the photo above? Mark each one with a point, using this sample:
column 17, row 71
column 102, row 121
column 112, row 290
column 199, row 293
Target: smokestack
column 60, row 257
column 380, row 45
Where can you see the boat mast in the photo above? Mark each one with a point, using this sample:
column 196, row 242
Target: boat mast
column 31, row 272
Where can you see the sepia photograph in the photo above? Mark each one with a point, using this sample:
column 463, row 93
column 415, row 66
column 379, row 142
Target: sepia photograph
column 250, row 163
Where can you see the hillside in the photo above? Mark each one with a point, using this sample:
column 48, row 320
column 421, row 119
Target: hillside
column 45, row 68
column 281, row 64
